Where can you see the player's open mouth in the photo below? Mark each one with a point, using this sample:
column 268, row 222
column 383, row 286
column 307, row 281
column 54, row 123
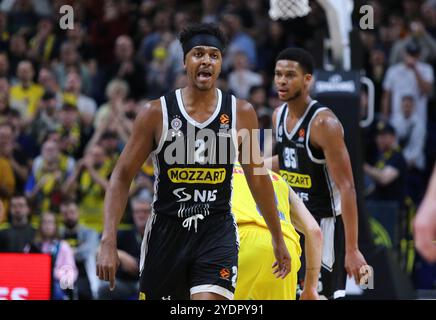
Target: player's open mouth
column 204, row 75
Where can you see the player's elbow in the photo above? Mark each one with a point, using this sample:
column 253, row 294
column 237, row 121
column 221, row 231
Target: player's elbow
column 347, row 189
column 315, row 233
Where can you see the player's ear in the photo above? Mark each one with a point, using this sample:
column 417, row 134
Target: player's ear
column 307, row 79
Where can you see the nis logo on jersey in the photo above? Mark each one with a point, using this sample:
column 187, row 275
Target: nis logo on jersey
column 199, row 195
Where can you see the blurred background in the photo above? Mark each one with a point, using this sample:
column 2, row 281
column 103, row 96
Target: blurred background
column 68, row 99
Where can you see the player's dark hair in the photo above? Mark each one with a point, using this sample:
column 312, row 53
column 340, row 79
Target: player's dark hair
column 303, row 57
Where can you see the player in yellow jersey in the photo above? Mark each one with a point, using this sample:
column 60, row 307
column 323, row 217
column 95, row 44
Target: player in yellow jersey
column 256, row 257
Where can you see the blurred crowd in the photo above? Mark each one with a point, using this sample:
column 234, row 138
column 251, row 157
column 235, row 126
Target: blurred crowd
column 68, row 99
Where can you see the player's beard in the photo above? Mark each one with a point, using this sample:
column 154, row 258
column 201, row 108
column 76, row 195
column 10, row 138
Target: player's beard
column 295, row 96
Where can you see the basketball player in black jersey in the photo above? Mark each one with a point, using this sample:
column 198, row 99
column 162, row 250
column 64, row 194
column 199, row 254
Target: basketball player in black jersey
column 190, row 245
column 313, row 158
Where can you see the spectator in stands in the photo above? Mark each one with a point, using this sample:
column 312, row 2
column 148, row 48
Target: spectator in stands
column 19, row 233
column 126, row 67
column 111, row 144
column 73, row 95
column 110, row 116
column 241, row 79
column 49, row 171
column 64, row 267
column 22, row 16
column 11, row 152
column 78, row 37
column 389, row 171
column 410, row 77
column 46, row 118
column 44, row 45
column 116, row 92
column 175, row 51
column 84, row 242
column 158, row 70
column 17, row 52
column 210, row 11
column 428, row 13
column 47, row 79
column 129, row 250
column 161, row 26
column 89, row 181
column 418, row 34
column 70, row 130
column 25, row 144
column 25, row 95
column 71, row 61
column 238, row 41
column 411, row 134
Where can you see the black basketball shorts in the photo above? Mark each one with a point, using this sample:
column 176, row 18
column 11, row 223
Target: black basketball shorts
column 181, row 257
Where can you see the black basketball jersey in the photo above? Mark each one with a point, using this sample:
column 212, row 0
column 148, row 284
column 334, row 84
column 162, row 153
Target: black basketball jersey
column 304, row 167
column 193, row 162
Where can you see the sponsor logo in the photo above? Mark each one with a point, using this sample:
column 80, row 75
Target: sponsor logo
column 296, row 179
column 335, row 84
column 225, row 274
column 183, row 196
column 199, row 195
column 303, row 196
column 197, row 175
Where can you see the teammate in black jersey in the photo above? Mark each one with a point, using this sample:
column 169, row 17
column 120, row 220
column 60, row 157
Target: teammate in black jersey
column 190, row 246
column 313, row 158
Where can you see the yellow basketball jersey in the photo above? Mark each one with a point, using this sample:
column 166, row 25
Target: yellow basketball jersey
column 246, row 211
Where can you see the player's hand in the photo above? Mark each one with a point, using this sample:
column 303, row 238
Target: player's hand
column 309, row 294
column 354, row 261
column 425, row 231
column 107, row 263
column 282, row 265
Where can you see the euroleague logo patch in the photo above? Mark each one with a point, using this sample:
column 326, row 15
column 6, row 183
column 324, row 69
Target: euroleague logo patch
column 224, row 119
column 225, row 274
column 301, row 134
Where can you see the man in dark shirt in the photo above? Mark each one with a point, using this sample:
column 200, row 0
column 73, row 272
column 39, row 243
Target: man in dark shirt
column 19, row 233
column 389, row 170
